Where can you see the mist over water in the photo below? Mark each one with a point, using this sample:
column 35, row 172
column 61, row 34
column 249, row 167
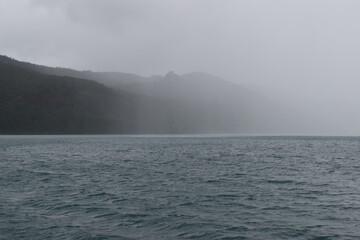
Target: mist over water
column 216, row 103
column 303, row 53
column 199, row 102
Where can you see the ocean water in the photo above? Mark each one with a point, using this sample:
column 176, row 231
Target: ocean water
column 179, row 187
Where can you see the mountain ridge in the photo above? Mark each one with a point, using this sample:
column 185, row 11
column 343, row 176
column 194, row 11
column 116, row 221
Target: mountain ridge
column 95, row 102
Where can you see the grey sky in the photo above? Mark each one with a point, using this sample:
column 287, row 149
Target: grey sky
column 307, row 47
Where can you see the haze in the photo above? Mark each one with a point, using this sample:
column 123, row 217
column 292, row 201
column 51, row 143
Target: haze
column 304, row 53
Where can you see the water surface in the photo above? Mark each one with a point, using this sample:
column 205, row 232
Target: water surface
column 179, row 187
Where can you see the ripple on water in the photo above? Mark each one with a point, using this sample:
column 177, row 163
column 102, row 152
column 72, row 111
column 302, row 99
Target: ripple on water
column 124, row 187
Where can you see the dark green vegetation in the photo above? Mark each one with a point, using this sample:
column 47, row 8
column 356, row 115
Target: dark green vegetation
column 39, row 99
column 33, row 102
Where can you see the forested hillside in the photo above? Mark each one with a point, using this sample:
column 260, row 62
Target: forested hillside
column 40, row 99
column 32, row 102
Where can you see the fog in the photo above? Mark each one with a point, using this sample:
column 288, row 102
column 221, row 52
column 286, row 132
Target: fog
column 303, row 54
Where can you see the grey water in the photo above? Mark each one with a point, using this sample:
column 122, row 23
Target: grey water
column 179, row 187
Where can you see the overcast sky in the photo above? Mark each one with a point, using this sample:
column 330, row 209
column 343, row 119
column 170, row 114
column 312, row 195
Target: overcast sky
column 309, row 47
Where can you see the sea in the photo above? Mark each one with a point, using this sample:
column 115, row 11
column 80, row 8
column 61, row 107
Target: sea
column 179, row 187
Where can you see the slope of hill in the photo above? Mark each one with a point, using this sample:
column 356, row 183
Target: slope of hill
column 219, row 106
column 40, row 99
column 112, row 79
column 32, row 102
